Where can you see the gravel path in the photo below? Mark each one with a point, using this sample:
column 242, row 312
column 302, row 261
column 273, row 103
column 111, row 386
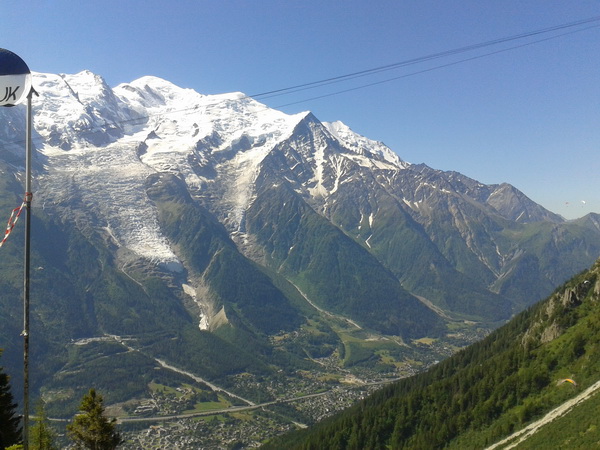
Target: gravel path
column 532, row 428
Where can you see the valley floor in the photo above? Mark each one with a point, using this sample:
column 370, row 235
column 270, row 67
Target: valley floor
column 200, row 414
column 243, row 426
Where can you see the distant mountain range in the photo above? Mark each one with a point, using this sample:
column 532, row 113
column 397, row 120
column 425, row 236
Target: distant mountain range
column 201, row 227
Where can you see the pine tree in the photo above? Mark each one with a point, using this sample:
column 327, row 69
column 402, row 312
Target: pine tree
column 91, row 429
column 41, row 435
column 10, row 429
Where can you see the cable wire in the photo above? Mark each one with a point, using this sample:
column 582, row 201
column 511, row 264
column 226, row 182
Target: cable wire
column 420, row 59
column 430, row 69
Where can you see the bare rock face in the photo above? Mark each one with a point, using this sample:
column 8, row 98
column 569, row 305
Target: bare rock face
column 550, row 333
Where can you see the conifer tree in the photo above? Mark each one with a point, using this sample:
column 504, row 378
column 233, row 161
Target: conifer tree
column 91, row 429
column 41, row 435
column 10, row 422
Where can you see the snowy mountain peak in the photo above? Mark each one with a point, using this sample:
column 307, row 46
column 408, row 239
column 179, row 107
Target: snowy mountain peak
column 88, row 87
column 153, row 92
column 362, row 145
column 101, row 145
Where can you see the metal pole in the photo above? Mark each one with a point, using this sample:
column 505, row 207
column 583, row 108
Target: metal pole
column 26, row 276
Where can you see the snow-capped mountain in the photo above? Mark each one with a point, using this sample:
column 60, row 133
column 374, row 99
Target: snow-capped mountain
column 98, row 146
column 88, row 131
column 217, row 211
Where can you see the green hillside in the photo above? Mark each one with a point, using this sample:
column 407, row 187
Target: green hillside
column 333, row 270
column 489, row 390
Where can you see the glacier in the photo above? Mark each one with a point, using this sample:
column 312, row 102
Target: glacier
column 85, row 131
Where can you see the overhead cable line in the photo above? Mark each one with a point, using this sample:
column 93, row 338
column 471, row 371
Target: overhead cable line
column 430, row 69
column 420, row 59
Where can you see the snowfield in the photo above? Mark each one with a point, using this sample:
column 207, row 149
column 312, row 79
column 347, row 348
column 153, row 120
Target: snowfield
column 99, row 145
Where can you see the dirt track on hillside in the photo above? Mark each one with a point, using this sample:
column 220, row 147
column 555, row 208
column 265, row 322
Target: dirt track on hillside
column 532, row 428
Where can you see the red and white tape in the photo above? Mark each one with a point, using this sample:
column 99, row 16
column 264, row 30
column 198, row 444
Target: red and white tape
column 14, row 217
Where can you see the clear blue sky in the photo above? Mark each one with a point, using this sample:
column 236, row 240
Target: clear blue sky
column 528, row 116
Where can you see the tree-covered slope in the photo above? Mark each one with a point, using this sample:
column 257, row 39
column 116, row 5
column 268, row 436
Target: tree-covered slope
column 486, row 391
column 334, row 271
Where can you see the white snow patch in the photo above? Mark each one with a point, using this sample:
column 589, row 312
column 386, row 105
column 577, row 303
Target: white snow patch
column 338, row 167
column 119, row 199
column 189, row 290
column 319, row 190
